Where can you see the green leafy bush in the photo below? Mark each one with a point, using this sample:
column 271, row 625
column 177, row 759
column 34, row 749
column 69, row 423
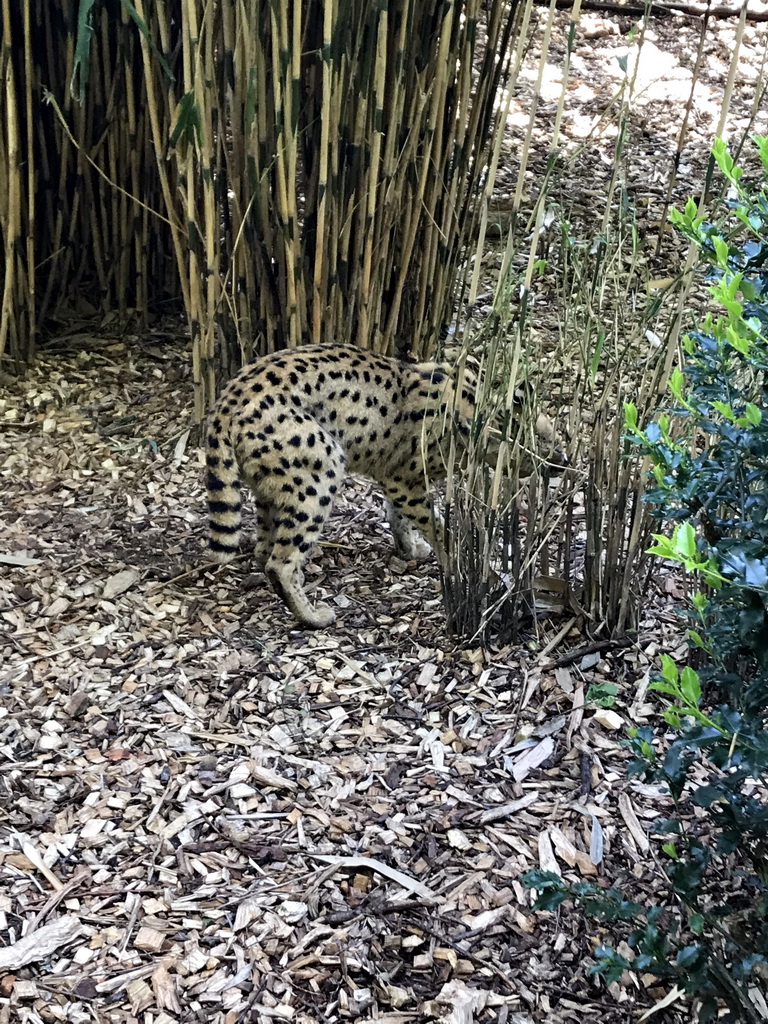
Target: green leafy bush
column 709, row 458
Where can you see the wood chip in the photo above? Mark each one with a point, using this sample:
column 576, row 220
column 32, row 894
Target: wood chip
column 631, row 821
column 41, row 943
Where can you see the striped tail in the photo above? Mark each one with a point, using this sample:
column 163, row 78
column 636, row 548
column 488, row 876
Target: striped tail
column 223, row 487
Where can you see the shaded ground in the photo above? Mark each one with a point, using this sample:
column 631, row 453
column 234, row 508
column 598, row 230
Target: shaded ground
column 178, row 754
column 212, row 816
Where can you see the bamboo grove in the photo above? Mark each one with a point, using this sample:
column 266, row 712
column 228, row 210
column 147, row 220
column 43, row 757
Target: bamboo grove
column 270, row 173
column 283, row 171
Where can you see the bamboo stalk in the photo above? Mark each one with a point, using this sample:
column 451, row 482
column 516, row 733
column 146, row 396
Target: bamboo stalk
column 12, row 205
column 31, row 291
column 372, row 185
column 320, row 274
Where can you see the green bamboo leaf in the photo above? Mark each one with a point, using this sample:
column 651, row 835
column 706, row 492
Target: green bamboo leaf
column 136, row 18
column 82, row 63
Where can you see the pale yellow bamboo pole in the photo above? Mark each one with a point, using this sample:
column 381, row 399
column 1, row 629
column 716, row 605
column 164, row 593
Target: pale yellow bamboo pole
column 13, row 202
column 31, row 187
column 198, row 320
column 320, row 276
column 211, row 220
column 335, row 210
column 282, row 110
column 177, row 235
column 432, row 232
column 436, row 106
column 375, row 127
column 292, row 110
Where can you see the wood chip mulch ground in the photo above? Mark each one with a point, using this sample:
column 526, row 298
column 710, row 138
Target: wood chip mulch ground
column 210, row 815
column 207, row 815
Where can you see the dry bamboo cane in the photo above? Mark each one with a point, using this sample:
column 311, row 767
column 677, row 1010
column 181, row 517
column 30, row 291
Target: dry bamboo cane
column 320, row 275
column 282, row 156
column 211, row 221
column 372, row 187
column 60, row 254
column 177, row 235
column 433, row 231
column 31, row 301
column 12, row 226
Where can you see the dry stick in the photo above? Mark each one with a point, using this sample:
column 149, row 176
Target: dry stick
column 627, row 93
column 532, row 114
column 354, row 178
column 330, row 295
column 467, row 151
column 123, row 155
column 93, row 209
column 267, row 294
column 603, row 540
column 726, row 104
column 355, row 201
column 410, row 209
column 616, row 525
column 103, row 81
column 237, row 311
column 73, row 270
column 761, row 92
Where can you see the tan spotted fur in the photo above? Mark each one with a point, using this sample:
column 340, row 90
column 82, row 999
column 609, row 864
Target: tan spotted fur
column 291, row 426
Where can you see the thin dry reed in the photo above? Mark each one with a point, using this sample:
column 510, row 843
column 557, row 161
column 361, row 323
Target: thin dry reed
column 576, row 543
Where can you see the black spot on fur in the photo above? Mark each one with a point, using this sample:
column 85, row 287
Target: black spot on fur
column 222, row 507
column 214, row 484
column 216, row 545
